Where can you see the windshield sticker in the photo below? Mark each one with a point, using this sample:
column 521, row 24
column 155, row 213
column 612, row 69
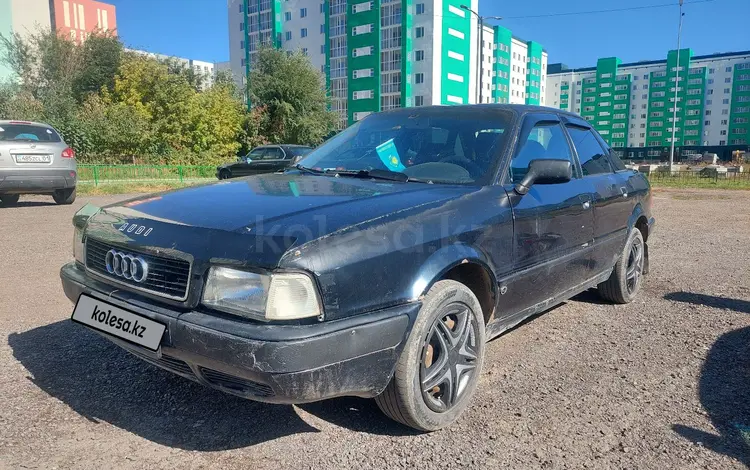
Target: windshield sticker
column 389, row 156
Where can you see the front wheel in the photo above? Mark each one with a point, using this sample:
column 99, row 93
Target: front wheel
column 627, row 276
column 64, row 196
column 224, row 175
column 439, row 368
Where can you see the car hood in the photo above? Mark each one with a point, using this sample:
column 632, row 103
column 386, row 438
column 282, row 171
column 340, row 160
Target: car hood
column 257, row 219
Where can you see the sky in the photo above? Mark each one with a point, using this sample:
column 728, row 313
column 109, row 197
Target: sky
column 198, row 29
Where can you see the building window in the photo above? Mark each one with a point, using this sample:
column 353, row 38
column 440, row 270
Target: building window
column 420, row 11
column 419, row 100
column 288, row 16
column 303, row 12
column 419, row 78
column 288, row 35
column 322, row 29
column 420, row 31
column 419, row 56
column 303, row 32
column 322, row 48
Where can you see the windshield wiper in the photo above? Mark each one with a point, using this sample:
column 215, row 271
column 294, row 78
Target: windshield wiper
column 311, row 171
column 378, row 175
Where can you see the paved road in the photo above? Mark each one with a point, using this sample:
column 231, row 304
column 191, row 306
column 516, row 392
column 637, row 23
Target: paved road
column 661, row 383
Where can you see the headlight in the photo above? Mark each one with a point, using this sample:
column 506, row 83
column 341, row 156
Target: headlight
column 78, row 244
column 281, row 296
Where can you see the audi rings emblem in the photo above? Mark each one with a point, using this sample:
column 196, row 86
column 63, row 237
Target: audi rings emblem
column 126, row 266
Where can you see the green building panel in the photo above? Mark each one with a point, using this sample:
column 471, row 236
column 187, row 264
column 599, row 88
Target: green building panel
column 692, row 112
column 276, row 23
column 739, row 113
column 363, row 49
column 661, row 102
column 456, row 53
column 533, row 73
column 620, row 110
column 407, row 21
column 565, row 96
column 501, row 65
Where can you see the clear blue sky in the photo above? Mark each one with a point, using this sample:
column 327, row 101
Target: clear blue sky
column 197, row 29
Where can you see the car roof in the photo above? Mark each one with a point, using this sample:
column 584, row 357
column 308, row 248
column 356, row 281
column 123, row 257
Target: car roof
column 18, row 121
column 518, row 109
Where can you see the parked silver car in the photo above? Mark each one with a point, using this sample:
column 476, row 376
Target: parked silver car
column 34, row 159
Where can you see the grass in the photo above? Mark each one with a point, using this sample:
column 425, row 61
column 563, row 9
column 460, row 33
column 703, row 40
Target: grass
column 130, row 188
column 699, row 183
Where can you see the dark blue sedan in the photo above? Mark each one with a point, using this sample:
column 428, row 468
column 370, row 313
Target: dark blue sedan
column 379, row 266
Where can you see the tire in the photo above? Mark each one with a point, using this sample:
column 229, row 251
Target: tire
column 9, row 200
column 64, row 196
column 403, row 399
column 224, row 175
column 626, row 279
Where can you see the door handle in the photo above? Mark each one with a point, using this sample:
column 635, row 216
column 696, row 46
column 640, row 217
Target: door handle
column 624, row 191
column 586, row 205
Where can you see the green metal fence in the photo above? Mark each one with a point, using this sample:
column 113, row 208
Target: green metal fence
column 103, row 174
column 699, row 178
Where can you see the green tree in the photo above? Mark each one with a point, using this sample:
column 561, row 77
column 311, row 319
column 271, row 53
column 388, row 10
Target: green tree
column 292, row 93
column 100, row 61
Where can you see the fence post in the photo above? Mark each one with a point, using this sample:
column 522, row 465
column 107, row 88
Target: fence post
column 96, row 175
column 179, row 169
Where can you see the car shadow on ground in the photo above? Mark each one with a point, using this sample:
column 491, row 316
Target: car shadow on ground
column 591, row 296
column 724, row 385
column 102, row 382
column 23, row 203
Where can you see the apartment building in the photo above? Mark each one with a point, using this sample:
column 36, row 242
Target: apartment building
column 80, row 18
column 207, row 70
column 633, row 105
column 383, row 54
column 22, row 17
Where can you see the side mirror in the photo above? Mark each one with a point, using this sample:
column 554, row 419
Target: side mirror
column 545, row 172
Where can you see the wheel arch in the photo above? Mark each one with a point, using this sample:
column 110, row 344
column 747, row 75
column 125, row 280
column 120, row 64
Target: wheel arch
column 462, row 263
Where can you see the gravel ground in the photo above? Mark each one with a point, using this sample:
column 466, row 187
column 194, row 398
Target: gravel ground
column 660, row 383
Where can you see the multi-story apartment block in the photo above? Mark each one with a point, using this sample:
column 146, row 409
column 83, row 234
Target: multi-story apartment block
column 633, row 105
column 22, row 17
column 383, row 54
column 80, row 18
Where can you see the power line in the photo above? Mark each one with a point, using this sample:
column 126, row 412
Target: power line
column 612, row 10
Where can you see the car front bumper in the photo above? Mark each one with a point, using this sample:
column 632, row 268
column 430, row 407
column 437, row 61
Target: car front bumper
column 36, row 180
column 272, row 363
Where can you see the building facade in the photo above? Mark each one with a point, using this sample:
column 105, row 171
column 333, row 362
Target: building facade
column 383, row 54
column 22, row 17
column 79, row 18
column 633, row 105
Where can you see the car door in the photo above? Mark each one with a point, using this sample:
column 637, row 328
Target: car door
column 272, row 157
column 245, row 167
column 552, row 223
column 609, row 194
column 281, row 160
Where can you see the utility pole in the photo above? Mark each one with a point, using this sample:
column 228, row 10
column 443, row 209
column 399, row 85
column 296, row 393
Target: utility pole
column 676, row 86
column 481, row 19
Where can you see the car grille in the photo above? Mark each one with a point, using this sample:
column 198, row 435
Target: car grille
column 237, row 384
column 167, row 277
column 170, row 363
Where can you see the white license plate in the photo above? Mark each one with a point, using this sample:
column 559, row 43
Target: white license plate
column 33, row 158
column 118, row 322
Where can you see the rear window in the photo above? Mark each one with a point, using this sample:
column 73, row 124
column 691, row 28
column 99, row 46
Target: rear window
column 27, row 133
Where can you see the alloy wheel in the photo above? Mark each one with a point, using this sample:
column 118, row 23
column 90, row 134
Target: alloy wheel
column 449, row 358
column 634, row 272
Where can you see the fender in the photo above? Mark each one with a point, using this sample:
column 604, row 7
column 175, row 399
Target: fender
column 442, row 261
column 635, row 215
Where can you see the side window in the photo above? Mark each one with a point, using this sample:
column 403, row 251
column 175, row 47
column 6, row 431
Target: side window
column 614, row 160
column 256, row 154
column 273, row 153
column 593, row 159
column 546, row 140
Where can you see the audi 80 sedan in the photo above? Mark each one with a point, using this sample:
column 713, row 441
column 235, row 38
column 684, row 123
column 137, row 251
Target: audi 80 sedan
column 378, row 267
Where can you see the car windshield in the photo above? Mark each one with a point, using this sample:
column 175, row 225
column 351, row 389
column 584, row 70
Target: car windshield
column 440, row 144
column 27, row 133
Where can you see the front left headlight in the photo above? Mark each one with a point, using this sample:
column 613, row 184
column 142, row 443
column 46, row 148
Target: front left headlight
column 78, row 244
column 279, row 296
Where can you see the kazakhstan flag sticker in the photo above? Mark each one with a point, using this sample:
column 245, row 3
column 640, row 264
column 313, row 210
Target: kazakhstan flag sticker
column 389, row 156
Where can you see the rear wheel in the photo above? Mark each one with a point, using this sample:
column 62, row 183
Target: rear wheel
column 9, row 199
column 627, row 276
column 439, row 369
column 64, row 196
